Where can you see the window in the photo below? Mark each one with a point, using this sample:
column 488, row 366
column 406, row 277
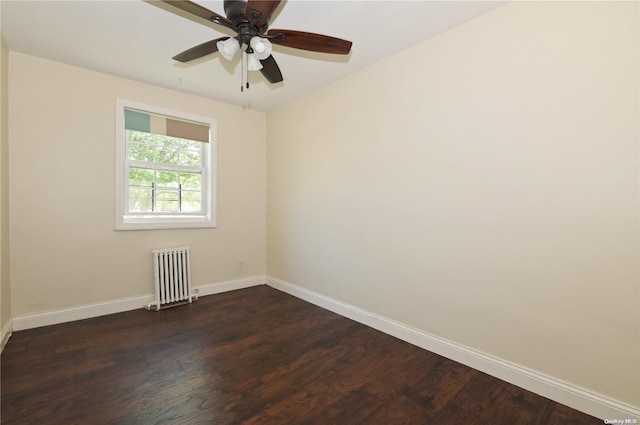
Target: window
column 164, row 168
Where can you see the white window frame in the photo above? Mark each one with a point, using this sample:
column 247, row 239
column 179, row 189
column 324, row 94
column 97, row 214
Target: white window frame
column 152, row 221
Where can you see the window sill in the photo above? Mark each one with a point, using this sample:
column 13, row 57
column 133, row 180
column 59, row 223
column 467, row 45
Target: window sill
column 161, row 223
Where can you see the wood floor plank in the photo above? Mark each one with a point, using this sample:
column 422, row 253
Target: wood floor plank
column 252, row 356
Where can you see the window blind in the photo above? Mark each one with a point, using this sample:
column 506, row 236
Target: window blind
column 160, row 124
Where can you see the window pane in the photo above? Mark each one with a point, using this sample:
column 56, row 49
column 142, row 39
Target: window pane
column 190, row 157
column 191, row 181
column 140, row 204
column 140, row 200
column 168, row 142
column 140, row 136
column 166, row 155
column 139, row 192
column 141, row 151
column 167, row 206
column 167, row 195
column 191, row 196
column 167, row 200
column 141, row 177
column 191, row 206
column 168, row 179
column 191, row 145
column 191, row 201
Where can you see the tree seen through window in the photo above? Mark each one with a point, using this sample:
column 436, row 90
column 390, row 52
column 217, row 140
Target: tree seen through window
column 165, row 173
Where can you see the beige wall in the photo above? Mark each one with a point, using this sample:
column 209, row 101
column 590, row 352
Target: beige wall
column 5, row 285
column 64, row 249
column 481, row 186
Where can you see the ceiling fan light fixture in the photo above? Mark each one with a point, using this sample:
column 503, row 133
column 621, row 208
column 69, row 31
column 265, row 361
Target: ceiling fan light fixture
column 262, row 47
column 228, row 48
column 253, row 63
column 249, row 19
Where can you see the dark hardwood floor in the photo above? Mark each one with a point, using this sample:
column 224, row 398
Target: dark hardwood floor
column 253, row 356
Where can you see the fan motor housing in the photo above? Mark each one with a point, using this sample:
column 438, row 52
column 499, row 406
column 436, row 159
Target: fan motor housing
column 234, row 9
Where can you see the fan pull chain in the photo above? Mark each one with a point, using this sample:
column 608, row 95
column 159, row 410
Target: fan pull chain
column 243, row 77
column 245, row 72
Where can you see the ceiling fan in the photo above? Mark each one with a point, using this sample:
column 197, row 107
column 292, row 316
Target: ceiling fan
column 249, row 19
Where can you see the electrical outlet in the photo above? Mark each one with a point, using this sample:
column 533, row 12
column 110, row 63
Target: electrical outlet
column 240, row 265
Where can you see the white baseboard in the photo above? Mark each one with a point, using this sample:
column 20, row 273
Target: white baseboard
column 80, row 312
column 120, row 305
column 232, row 285
column 5, row 334
column 546, row 386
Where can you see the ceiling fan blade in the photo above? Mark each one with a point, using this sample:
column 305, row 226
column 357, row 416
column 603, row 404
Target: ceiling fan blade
column 199, row 51
column 271, row 70
column 265, row 8
column 200, row 11
column 310, row 41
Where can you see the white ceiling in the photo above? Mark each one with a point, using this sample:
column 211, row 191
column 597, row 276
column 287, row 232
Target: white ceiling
column 136, row 40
